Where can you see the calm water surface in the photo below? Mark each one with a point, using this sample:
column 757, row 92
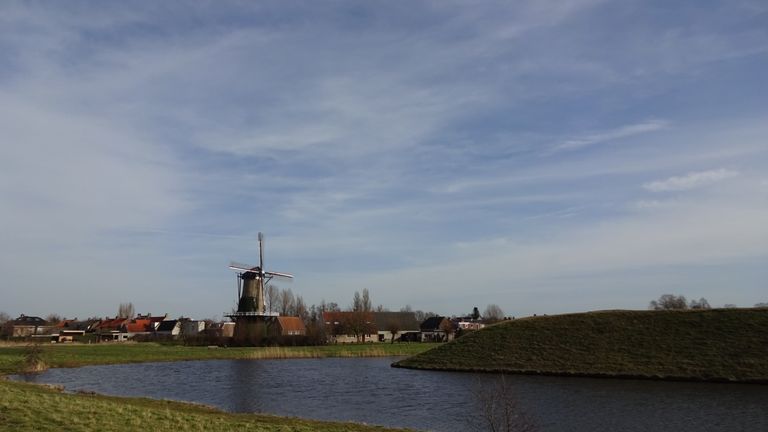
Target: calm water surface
column 370, row 391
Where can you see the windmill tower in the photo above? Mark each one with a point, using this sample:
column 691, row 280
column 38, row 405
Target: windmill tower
column 252, row 319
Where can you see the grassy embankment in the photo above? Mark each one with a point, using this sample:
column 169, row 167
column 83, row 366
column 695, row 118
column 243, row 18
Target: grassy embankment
column 710, row 345
column 26, row 407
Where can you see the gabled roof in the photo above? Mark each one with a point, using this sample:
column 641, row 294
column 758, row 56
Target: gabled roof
column 29, row 321
column 432, row 323
column 137, row 326
column 291, row 324
column 110, row 324
column 167, row 325
column 405, row 321
column 64, row 323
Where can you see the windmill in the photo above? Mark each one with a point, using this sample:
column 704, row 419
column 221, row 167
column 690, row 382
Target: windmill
column 250, row 287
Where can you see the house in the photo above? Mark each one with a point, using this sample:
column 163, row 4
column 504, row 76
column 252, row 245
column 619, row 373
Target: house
column 66, row 335
column 403, row 324
column 221, row 329
column 290, row 326
column 190, row 327
column 109, row 329
column 349, row 327
column 170, row 328
column 75, row 324
column 155, row 320
column 437, row 329
column 468, row 324
column 137, row 326
column 27, row 326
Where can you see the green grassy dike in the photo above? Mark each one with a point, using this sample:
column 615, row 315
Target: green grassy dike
column 728, row 345
column 29, row 407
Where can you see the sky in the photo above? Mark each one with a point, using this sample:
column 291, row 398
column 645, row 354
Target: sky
column 546, row 156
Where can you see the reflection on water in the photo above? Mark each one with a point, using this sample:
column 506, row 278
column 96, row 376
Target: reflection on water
column 368, row 390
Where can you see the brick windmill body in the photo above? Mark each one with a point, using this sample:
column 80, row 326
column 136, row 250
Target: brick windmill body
column 252, row 321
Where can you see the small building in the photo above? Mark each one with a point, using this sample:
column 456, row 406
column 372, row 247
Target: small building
column 220, row 329
column 27, row 326
column 154, row 321
column 191, row 327
column 110, row 329
column 437, row 329
column 170, row 328
column 66, row 335
column 468, row 324
column 404, row 325
column 350, row 327
column 137, row 326
column 290, row 326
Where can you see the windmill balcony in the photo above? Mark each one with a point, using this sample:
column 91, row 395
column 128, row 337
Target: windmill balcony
column 249, row 314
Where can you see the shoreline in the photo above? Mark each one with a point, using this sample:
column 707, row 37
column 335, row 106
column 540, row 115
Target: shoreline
column 26, row 405
column 596, row 375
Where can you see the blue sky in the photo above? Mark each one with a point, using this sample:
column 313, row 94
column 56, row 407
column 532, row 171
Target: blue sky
column 546, row 156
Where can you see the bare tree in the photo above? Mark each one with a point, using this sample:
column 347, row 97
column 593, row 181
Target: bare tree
column 393, row 327
column 301, row 310
column 4, row 317
column 701, row 303
column 126, row 310
column 358, row 323
column 493, row 313
column 286, row 305
column 53, row 318
column 271, row 294
column 366, row 301
column 498, row 409
column 446, row 326
column 357, row 302
column 669, row 302
column 421, row 315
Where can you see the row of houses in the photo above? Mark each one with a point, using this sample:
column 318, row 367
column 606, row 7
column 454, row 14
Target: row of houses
column 107, row 329
column 352, row 327
column 338, row 327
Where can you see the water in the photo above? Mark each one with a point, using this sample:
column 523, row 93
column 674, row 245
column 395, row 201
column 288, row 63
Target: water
column 370, row 391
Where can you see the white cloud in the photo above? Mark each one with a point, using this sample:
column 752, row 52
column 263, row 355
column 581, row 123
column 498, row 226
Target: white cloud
column 691, row 180
column 612, row 134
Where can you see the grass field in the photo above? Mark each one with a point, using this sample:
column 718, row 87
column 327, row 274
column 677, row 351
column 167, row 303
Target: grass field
column 27, row 407
column 710, row 345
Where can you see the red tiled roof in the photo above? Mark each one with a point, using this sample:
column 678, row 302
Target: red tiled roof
column 138, row 326
column 110, row 324
column 64, row 323
column 291, row 324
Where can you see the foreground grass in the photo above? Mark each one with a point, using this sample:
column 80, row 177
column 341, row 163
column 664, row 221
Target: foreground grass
column 710, row 345
column 27, row 407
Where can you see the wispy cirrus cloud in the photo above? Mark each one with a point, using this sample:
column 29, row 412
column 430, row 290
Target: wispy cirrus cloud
column 691, row 180
column 612, row 135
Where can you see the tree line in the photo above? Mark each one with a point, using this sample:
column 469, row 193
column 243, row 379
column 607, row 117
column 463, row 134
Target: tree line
column 679, row 302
